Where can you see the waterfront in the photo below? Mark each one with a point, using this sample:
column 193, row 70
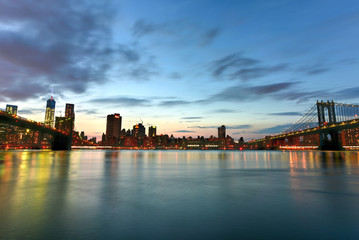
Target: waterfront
column 179, row 194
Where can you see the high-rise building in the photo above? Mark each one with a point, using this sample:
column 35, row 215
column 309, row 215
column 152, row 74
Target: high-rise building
column 70, row 115
column 113, row 127
column 139, row 131
column 70, row 111
column 50, row 112
column 11, row 109
column 222, row 132
column 152, row 131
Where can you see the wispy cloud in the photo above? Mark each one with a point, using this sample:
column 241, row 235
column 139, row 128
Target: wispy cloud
column 236, row 66
column 243, row 93
column 30, row 111
column 244, row 126
column 127, row 101
column 171, row 103
column 224, row 110
column 176, row 31
column 184, row 131
column 191, row 118
column 286, row 114
column 208, row 36
column 273, row 130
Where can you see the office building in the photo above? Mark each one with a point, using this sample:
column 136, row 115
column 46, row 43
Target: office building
column 11, row 109
column 152, row 131
column 113, row 127
column 139, row 131
column 222, row 132
column 64, row 124
column 70, row 111
column 50, row 112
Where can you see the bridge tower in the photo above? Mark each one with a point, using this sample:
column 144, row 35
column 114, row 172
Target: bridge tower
column 329, row 139
column 321, row 107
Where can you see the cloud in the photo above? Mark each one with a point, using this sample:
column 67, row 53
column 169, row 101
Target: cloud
column 128, row 54
column 127, row 101
column 87, row 111
column 139, row 70
column 19, row 89
column 223, row 110
column 346, row 93
column 207, row 37
column 171, row 103
column 63, row 43
column 178, row 32
column 277, row 91
column 315, row 69
column 30, row 111
column 273, row 130
column 244, row 93
column 175, row 75
column 192, row 118
column 245, row 126
column 238, row 133
column 142, row 28
column 286, row 114
column 184, row 131
column 236, row 66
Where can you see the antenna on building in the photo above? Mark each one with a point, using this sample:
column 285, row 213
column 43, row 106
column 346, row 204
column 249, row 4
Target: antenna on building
column 141, row 121
column 52, row 92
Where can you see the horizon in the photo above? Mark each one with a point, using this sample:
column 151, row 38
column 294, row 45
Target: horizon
column 186, row 68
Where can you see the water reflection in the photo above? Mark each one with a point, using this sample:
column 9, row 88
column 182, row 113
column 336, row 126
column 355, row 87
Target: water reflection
column 82, row 194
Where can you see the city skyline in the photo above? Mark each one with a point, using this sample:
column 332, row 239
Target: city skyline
column 187, row 68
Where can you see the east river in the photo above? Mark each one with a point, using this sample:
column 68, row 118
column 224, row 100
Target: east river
column 90, row 194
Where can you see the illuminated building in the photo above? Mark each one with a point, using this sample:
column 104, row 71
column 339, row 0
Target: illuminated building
column 113, row 127
column 139, row 131
column 11, row 109
column 70, row 117
column 50, row 112
column 152, row 131
column 222, row 132
column 64, row 124
column 70, row 111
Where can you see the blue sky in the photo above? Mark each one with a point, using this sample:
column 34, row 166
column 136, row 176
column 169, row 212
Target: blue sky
column 185, row 66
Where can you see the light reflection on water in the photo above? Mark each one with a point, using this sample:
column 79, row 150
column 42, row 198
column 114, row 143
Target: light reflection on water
column 179, row 194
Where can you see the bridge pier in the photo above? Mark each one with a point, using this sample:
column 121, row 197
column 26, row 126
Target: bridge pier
column 61, row 142
column 330, row 140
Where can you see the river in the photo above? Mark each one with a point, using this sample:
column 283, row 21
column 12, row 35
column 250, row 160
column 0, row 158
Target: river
column 102, row 194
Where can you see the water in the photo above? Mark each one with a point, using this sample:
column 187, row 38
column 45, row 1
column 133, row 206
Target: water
column 179, row 195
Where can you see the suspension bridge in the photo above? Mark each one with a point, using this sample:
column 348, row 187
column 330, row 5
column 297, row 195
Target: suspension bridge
column 59, row 140
column 326, row 125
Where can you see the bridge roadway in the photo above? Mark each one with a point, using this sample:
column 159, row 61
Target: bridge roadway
column 60, row 141
column 332, row 127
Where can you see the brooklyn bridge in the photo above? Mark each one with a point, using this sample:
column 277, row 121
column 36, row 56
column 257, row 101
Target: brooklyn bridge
column 45, row 136
column 326, row 126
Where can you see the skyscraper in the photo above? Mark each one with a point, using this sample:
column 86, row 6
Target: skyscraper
column 113, row 127
column 70, row 116
column 11, row 109
column 139, row 130
column 50, row 112
column 152, row 131
column 70, row 111
column 222, row 132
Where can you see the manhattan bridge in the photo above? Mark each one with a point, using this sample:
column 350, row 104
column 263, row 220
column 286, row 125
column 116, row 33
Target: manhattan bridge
column 326, row 125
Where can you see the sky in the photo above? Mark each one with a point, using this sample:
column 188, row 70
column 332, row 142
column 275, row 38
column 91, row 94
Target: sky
column 186, row 67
